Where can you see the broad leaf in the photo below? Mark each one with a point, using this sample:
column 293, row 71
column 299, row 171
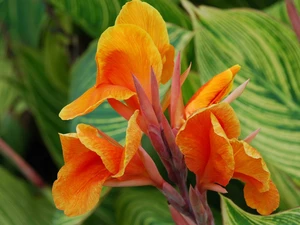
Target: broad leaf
column 258, row 4
column 44, row 99
column 10, row 88
column 95, row 16
column 232, row 215
column 288, row 189
column 21, row 204
column 142, row 206
column 23, row 20
column 269, row 54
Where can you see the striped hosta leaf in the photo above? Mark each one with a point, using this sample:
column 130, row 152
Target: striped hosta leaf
column 269, row 54
column 9, row 86
column 94, row 16
column 23, row 20
column 20, row 204
column 288, row 189
column 232, row 215
column 44, row 99
column 179, row 37
column 142, row 206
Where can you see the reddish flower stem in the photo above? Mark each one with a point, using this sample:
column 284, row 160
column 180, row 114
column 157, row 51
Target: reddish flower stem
column 23, row 166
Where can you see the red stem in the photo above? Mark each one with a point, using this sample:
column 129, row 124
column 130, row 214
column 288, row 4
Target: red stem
column 23, row 166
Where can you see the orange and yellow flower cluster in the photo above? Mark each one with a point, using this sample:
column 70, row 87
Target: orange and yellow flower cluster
column 130, row 56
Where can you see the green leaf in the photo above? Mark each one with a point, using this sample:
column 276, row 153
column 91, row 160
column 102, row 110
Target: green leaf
column 269, row 54
column 23, row 20
column 171, row 12
column 232, row 214
column 56, row 59
column 258, row 4
column 44, row 99
column 179, row 37
column 142, row 206
column 288, row 189
column 10, row 88
column 95, row 16
column 21, row 204
column 279, row 11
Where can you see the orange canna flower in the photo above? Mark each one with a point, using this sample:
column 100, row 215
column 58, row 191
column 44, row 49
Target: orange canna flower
column 138, row 42
column 208, row 141
column 92, row 160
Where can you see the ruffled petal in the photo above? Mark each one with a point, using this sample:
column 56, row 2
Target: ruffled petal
column 124, row 50
column 204, row 142
column 92, row 98
column 264, row 202
column 220, row 165
column 148, row 18
column 133, row 141
column 71, row 146
column 135, row 174
column 109, row 152
column 78, row 186
column 227, row 118
column 193, row 141
column 249, row 166
column 213, row 91
column 206, row 148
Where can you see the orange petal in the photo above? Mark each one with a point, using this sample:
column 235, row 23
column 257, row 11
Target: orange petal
column 168, row 64
column 226, row 117
column 78, row 186
column 264, row 202
column 193, row 141
column 206, row 148
column 220, row 165
column 148, row 18
column 213, row 91
column 135, row 175
column 109, row 152
column 71, row 146
column 133, row 141
column 92, row 98
column 249, row 166
column 124, row 50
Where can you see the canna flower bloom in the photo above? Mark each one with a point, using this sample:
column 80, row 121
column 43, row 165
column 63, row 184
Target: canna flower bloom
column 92, row 160
column 208, row 139
column 138, row 42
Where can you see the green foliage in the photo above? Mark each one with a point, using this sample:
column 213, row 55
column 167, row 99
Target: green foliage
column 142, row 206
column 232, row 215
column 44, row 103
column 23, row 20
column 20, row 204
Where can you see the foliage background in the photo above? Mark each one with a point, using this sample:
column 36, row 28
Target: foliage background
column 47, row 50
